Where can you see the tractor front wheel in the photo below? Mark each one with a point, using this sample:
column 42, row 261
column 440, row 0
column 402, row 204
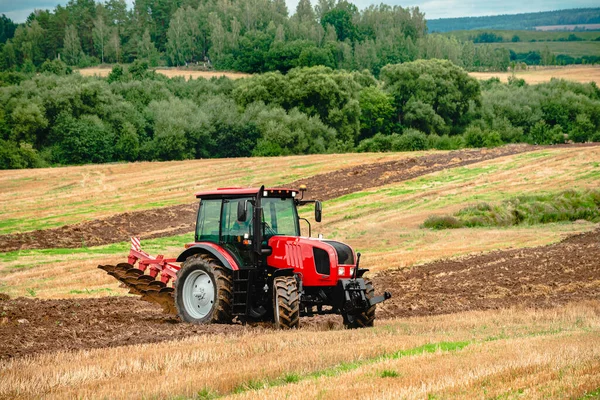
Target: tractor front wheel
column 203, row 291
column 286, row 302
column 366, row 318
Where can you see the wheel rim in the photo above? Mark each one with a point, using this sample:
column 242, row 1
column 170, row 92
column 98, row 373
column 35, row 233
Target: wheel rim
column 198, row 294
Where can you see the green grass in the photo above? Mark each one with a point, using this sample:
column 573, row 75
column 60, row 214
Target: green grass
column 591, row 395
column 150, row 245
column 386, row 373
column 527, row 210
column 91, row 291
column 524, row 35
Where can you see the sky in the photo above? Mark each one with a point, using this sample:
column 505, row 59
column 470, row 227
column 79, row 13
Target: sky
column 18, row 10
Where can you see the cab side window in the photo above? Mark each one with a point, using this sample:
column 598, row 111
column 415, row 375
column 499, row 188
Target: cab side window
column 232, row 229
column 207, row 226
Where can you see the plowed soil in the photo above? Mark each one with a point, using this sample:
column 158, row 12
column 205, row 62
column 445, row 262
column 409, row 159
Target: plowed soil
column 544, row 276
column 168, row 221
column 537, row 277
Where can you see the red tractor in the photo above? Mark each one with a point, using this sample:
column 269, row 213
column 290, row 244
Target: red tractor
column 249, row 261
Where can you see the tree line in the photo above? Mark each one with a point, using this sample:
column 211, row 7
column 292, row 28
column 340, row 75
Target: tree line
column 575, row 16
column 250, row 36
column 58, row 118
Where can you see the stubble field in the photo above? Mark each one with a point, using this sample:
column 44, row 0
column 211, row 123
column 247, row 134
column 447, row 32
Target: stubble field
column 576, row 73
column 476, row 312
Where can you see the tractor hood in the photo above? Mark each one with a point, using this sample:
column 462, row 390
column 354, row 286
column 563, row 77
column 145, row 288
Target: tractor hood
column 320, row 261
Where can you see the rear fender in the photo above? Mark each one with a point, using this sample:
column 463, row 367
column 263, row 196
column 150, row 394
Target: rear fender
column 214, row 250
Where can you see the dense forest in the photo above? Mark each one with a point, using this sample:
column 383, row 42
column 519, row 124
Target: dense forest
column 56, row 117
column 248, row 36
column 576, row 16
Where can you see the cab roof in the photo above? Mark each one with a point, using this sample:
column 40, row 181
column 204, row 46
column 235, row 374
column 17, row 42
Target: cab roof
column 239, row 191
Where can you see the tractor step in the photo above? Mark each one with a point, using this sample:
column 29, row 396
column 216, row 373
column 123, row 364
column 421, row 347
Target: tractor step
column 241, row 282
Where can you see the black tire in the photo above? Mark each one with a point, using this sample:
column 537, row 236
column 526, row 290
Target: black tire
column 221, row 280
column 286, row 302
column 367, row 317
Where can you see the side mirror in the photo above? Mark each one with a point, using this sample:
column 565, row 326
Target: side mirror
column 318, row 211
column 241, row 211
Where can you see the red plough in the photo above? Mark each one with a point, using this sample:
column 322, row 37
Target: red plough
column 153, row 286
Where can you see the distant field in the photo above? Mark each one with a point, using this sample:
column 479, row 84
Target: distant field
column 581, row 74
column 567, row 27
column 524, row 35
column 573, row 49
column 171, row 72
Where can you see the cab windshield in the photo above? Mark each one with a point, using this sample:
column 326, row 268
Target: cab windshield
column 280, row 218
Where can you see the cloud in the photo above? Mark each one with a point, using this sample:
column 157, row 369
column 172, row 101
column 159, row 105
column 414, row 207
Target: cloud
column 471, row 8
column 19, row 10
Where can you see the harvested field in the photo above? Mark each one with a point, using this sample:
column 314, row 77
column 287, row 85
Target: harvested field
column 168, row 221
column 582, row 74
column 535, row 353
column 542, row 277
column 51, row 197
column 171, row 73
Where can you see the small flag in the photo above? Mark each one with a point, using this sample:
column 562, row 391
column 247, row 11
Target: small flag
column 135, row 244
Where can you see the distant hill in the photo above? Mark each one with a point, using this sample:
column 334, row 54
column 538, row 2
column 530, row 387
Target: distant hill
column 576, row 16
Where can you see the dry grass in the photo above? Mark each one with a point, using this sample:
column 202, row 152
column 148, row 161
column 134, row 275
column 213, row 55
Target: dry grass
column 563, row 366
column 520, row 349
column 171, row 73
column 581, row 74
column 49, row 197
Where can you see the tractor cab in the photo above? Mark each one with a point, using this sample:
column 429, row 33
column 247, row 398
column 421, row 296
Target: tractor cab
column 226, row 217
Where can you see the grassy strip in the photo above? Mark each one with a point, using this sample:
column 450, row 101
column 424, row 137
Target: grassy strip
column 344, row 367
column 569, row 205
column 149, row 245
column 336, row 370
column 591, row 395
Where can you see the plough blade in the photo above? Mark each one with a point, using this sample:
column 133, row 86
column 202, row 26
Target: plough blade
column 138, row 283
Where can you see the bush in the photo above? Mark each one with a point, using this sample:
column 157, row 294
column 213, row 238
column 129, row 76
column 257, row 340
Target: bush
column 569, row 205
column 442, row 222
column 410, row 140
column 17, row 157
column 476, row 137
column 56, row 67
column 445, row 142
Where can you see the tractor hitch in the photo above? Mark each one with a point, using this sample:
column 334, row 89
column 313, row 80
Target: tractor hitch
column 351, row 296
column 379, row 299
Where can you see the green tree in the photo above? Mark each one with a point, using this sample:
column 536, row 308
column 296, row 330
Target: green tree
column 423, row 86
column 72, row 46
column 102, row 35
column 82, row 140
column 376, row 112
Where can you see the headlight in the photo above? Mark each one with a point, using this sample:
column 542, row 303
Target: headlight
column 341, row 271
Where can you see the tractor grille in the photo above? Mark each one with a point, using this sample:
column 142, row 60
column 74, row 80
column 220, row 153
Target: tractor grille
column 321, row 261
column 344, row 252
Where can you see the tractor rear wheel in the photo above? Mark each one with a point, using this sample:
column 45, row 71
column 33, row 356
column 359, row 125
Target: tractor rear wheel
column 366, row 318
column 203, row 291
column 286, row 302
